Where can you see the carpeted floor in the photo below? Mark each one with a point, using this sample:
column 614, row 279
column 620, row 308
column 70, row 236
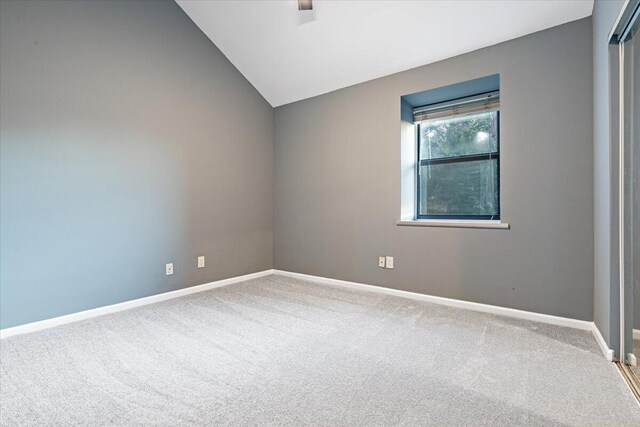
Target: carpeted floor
column 280, row 351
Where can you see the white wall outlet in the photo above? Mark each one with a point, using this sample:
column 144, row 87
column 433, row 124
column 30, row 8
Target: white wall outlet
column 201, row 261
column 390, row 262
column 381, row 262
column 168, row 269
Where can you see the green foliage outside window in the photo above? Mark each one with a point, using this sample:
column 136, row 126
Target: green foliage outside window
column 461, row 188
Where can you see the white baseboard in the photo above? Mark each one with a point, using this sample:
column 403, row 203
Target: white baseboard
column 486, row 308
column 636, row 334
column 608, row 353
column 100, row 311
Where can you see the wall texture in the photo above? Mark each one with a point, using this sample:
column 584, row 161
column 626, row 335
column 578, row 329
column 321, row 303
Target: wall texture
column 127, row 141
column 337, row 182
column 606, row 295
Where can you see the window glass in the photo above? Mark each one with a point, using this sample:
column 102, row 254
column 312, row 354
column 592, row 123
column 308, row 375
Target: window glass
column 467, row 188
column 459, row 165
column 459, row 135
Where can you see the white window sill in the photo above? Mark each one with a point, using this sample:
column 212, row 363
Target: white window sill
column 461, row 223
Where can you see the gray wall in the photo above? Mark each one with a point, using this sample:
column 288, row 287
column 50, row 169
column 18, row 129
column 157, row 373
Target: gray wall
column 127, row 141
column 606, row 296
column 337, row 182
column 636, row 186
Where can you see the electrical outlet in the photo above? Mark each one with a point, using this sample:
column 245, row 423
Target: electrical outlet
column 168, row 269
column 201, row 261
column 389, row 262
column 381, row 262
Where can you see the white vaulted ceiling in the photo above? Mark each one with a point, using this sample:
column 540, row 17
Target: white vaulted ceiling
column 290, row 55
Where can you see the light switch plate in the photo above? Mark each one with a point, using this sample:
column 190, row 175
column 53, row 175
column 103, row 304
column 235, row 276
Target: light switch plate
column 381, row 262
column 168, row 269
column 201, row 261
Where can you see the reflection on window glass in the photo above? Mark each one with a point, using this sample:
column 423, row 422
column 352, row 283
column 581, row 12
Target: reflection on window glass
column 460, row 189
column 459, row 136
column 459, row 166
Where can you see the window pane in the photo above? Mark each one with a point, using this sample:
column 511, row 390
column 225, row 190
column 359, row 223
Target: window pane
column 457, row 136
column 461, row 188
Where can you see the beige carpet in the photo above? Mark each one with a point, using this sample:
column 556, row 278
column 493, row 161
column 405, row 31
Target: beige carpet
column 279, row 351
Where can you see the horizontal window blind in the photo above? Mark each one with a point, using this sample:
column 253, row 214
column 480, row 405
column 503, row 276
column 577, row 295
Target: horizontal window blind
column 472, row 104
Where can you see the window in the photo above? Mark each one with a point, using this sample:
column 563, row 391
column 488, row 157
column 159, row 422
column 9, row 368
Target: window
column 458, row 163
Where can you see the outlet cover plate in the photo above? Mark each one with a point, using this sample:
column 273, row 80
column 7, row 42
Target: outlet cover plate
column 389, row 262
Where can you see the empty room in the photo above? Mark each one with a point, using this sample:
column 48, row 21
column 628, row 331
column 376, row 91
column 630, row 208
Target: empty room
column 320, row 212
